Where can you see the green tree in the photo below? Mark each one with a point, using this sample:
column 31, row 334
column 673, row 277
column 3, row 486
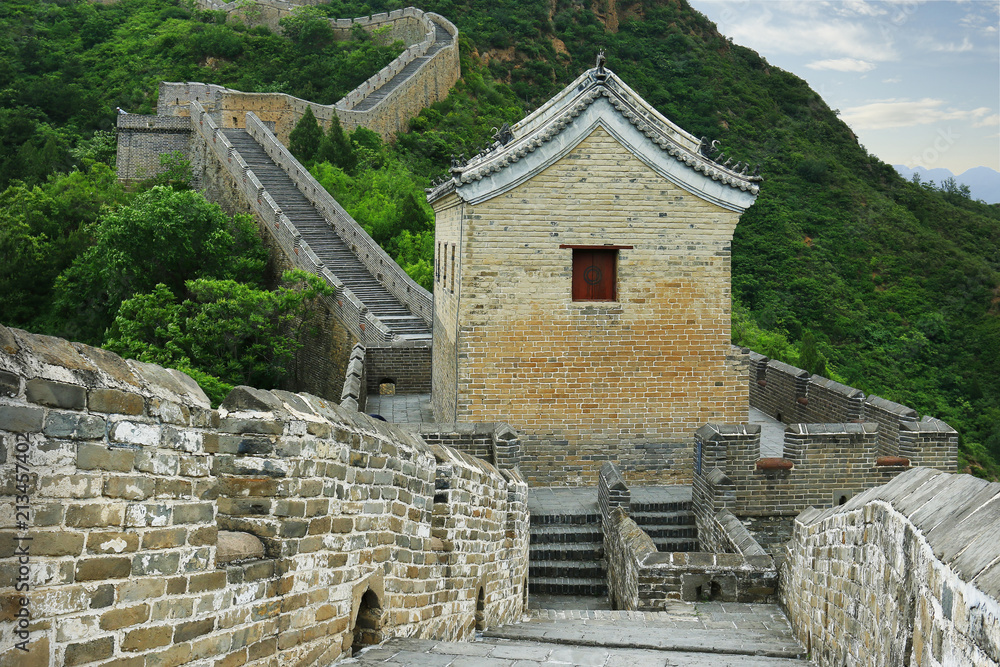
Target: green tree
column 305, row 138
column 227, row 332
column 336, row 148
column 163, row 236
column 810, row 358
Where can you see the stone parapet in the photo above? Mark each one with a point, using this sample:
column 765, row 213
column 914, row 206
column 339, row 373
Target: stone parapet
column 495, row 442
column 142, row 140
column 389, row 116
column 905, row 573
column 354, row 395
column 336, row 529
column 641, row 578
column 407, row 366
column 792, row 396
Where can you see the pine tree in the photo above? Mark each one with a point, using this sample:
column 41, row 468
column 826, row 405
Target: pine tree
column 305, row 138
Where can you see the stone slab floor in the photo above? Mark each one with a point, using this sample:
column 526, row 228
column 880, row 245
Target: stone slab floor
column 401, row 408
column 706, row 634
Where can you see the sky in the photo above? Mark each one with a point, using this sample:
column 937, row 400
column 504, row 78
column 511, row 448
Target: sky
column 917, row 81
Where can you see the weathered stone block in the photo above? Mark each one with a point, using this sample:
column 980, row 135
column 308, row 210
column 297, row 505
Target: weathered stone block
column 259, row 426
column 75, row 426
column 164, row 538
column 136, row 433
column 208, row 581
column 21, row 418
column 52, row 543
column 94, row 569
column 131, row 487
column 84, row 652
column 115, row 542
column 56, row 394
column 112, row 400
column 10, row 384
column 187, row 631
column 144, row 639
column 155, row 563
column 100, row 457
column 117, row 619
column 194, row 513
column 95, row 515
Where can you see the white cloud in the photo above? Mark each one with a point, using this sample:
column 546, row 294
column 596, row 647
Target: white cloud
column 895, row 79
column 989, row 121
column 893, row 113
column 823, row 37
column 951, row 47
column 843, row 65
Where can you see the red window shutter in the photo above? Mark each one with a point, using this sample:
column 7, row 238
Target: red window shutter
column 594, row 276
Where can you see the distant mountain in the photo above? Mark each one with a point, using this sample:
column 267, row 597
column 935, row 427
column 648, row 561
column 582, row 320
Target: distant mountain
column 983, row 182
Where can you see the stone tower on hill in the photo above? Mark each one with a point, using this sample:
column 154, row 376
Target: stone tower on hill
column 582, row 287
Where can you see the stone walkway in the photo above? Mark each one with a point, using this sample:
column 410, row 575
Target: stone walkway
column 707, row 634
column 401, row 408
column 544, row 500
column 772, row 434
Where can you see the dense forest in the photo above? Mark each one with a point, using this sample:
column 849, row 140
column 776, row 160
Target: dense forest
column 841, row 267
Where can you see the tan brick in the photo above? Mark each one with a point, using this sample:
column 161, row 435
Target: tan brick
column 144, row 639
column 122, row 618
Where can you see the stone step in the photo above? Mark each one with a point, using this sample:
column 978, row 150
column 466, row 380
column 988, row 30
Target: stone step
column 566, row 551
column 573, row 534
column 566, row 519
column 663, row 518
column 567, row 586
column 670, row 546
column 567, row 569
column 671, row 531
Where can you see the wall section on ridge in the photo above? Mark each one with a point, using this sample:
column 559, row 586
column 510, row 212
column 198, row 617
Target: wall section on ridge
column 131, row 476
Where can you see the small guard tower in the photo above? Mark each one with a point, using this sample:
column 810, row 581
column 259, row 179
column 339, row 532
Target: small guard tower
column 582, row 287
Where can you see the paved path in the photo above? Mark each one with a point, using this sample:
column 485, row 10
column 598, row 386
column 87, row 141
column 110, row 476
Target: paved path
column 710, row 634
column 401, row 408
column 772, row 434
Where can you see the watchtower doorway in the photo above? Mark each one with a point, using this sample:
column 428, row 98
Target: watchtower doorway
column 367, row 628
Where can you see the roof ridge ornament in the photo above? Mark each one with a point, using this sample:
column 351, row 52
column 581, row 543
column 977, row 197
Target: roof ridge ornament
column 601, row 60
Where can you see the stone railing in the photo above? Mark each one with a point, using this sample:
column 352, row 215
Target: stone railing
column 344, row 304
column 382, row 267
column 143, row 139
column 277, row 527
column 793, row 396
column 354, row 396
column 642, row 578
column 914, row 563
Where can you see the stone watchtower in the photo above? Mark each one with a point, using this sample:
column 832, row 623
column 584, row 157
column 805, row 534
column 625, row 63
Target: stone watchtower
column 582, row 287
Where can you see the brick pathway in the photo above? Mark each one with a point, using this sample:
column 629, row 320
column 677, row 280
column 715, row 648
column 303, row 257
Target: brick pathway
column 708, row 634
column 772, row 434
column 401, row 408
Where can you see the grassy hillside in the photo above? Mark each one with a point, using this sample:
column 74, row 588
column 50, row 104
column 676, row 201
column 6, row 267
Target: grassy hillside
column 891, row 286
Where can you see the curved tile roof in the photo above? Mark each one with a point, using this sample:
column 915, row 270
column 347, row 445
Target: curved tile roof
column 551, row 120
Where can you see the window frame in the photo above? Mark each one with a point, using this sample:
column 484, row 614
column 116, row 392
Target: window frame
column 612, row 252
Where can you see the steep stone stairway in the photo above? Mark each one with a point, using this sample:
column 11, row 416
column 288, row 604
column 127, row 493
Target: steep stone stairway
column 567, row 544
column 325, row 242
column 441, row 39
column 665, row 513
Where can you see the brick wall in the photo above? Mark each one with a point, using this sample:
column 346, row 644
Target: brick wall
column 588, row 382
column 131, row 477
column 408, row 367
column 822, row 463
column 890, row 577
column 143, row 139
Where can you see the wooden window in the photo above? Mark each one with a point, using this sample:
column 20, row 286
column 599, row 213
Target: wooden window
column 595, row 274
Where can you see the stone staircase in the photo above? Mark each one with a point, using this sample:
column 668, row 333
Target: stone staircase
column 325, row 242
column 441, row 39
column 671, row 523
column 566, row 553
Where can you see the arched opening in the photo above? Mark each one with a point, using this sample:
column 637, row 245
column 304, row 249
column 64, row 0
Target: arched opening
column 387, row 387
column 480, row 610
column 842, row 500
column 709, row 593
column 367, row 629
column 778, row 416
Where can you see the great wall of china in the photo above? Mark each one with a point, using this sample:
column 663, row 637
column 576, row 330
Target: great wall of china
column 287, row 528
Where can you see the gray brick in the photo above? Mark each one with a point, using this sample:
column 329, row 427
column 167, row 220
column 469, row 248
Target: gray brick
column 56, row 394
column 21, row 418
